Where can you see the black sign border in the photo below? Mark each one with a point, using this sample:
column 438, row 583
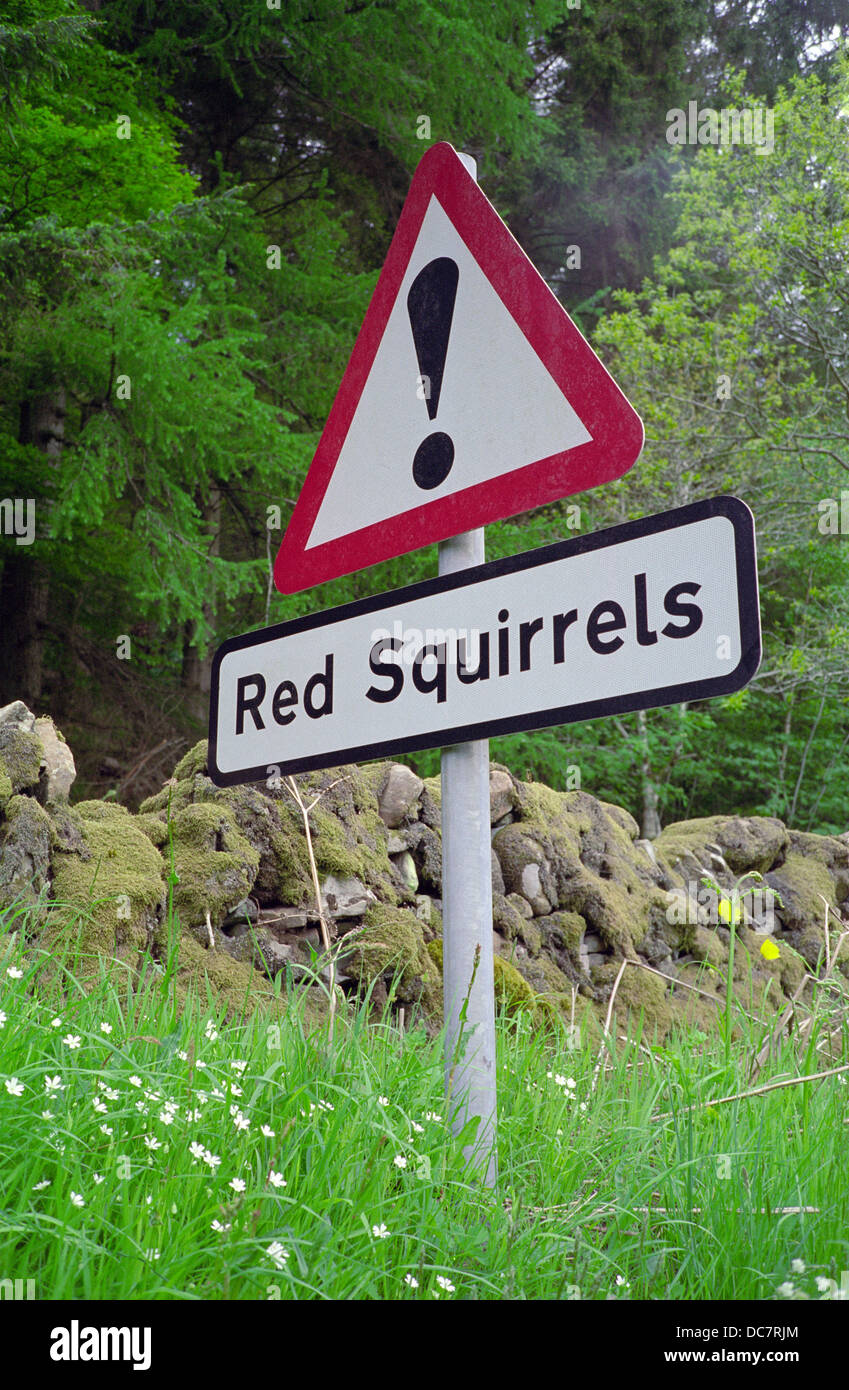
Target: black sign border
column 735, row 510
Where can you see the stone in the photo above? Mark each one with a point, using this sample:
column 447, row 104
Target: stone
column 426, row 848
column 531, row 890
column 497, row 876
column 345, row 897
column 395, row 844
column 20, row 756
column 58, row 770
column 521, row 905
column 16, row 714
column 26, row 838
column 280, row 919
column 400, row 790
column 406, row 866
column 501, row 793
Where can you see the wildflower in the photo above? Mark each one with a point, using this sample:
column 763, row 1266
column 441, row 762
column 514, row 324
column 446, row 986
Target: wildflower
column 432, row 1115
column 106, row 1028
column 14, row 1086
column 410, row 1281
column 383, row 1100
column 97, row 1178
column 2, row 1018
column 221, row 1226
column 269, row 1133
column 417, row 1129
column 785, row 1290
column 445, row 1284
column 110, row 1093
column 278, row 1253
column 201, row 1066
column 211, row 1159
column 238, row 1184
column 56, row 1023
column 166, row 1117
column 218, row 1095
column 72, row 1041
column 276, row 1179
column 14, row 973
column 797, row 1266
column 183, row 1056
column 400, row 1161
column 151, row 1142
column 203, row 1097
column 379, row 1232
column 825, row 1285
column 106, row 1129
column 135, row 1081
column 47, row 1114
column 100, row 1107
column 238, row 1065
column 77, row 1199
column 40, row 1186
column 196, row 1150
column 622, row 1282
column 151, row 1254
column 192, row 1116
column 210, row 1032
column 241, row 1121
column 234, row 1089
column 141, row 1107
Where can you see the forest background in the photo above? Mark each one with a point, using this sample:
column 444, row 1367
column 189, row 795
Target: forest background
column 195, row 203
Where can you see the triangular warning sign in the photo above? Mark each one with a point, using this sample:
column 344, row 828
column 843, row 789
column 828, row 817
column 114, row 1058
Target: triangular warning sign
column 470, row 395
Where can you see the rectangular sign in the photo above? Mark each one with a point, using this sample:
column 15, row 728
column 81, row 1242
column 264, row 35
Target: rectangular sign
column 650, row 613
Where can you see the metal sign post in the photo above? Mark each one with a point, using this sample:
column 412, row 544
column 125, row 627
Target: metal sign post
column 467, row 959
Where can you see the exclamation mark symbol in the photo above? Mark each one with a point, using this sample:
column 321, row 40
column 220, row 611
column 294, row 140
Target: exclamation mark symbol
column 430, row 304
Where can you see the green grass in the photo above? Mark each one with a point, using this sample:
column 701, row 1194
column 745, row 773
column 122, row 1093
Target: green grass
column 582, row 1173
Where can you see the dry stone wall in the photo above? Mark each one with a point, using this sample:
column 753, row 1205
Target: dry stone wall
column 217, row 883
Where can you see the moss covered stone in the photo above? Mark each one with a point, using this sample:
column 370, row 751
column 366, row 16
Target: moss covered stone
column 26, row 841
column 391, row 940
column 20, row 756
column 5, row 787
column 215, row 864
column 108, row 904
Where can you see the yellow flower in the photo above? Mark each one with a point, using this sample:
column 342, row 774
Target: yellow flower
column 769, row 950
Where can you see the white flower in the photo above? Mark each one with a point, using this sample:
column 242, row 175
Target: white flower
column 56, row 1023
column 72, row 1041
column 269, row 1133
column 238, row 1184
column 106, row 1129
column 106, row 1027
column 410, row 1281
column 445, row 1284
column 201, row 1066
column 417, row 1129
column 211, row 1159
column 379, row 1232
column 14, row 973
column 400, row 1161
column 2, row 1018
column 785, row 1290
column 152, row 1142
column 196, row 1150
column 141, row 1107
column 432, row 1115
column 221, row 1226
column 622, row 1282
column 97, row 1178
column 383, row 1100
column 203, row 1097
column 40, row 1186
column 183, row 1056
column 110, row 1093
column 14, row 1086
column 241, row 1121
column 276, row 1179
column 234, row 1089
column 151, row 1254
column 210, row 1032
column 166, row 1117
column 192, row 1116
column 797, row 1266
column 47, row 1114
column 100, row 1107
column 237, row 1065
column 278, row 1253
column 825, row 1285
column 77, row 1199
column 135, row 1081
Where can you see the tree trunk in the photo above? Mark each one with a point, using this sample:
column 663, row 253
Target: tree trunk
column 25, row 590
column 650, row 826
column 197, row 655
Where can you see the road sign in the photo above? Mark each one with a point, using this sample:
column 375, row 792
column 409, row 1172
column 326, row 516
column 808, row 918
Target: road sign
column 654, row 612
column 470, row 395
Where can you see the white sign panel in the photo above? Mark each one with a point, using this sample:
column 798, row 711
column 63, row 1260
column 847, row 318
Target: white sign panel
column 654, row 612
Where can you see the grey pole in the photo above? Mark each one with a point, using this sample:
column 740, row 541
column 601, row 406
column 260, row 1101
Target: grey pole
column 467, row 913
